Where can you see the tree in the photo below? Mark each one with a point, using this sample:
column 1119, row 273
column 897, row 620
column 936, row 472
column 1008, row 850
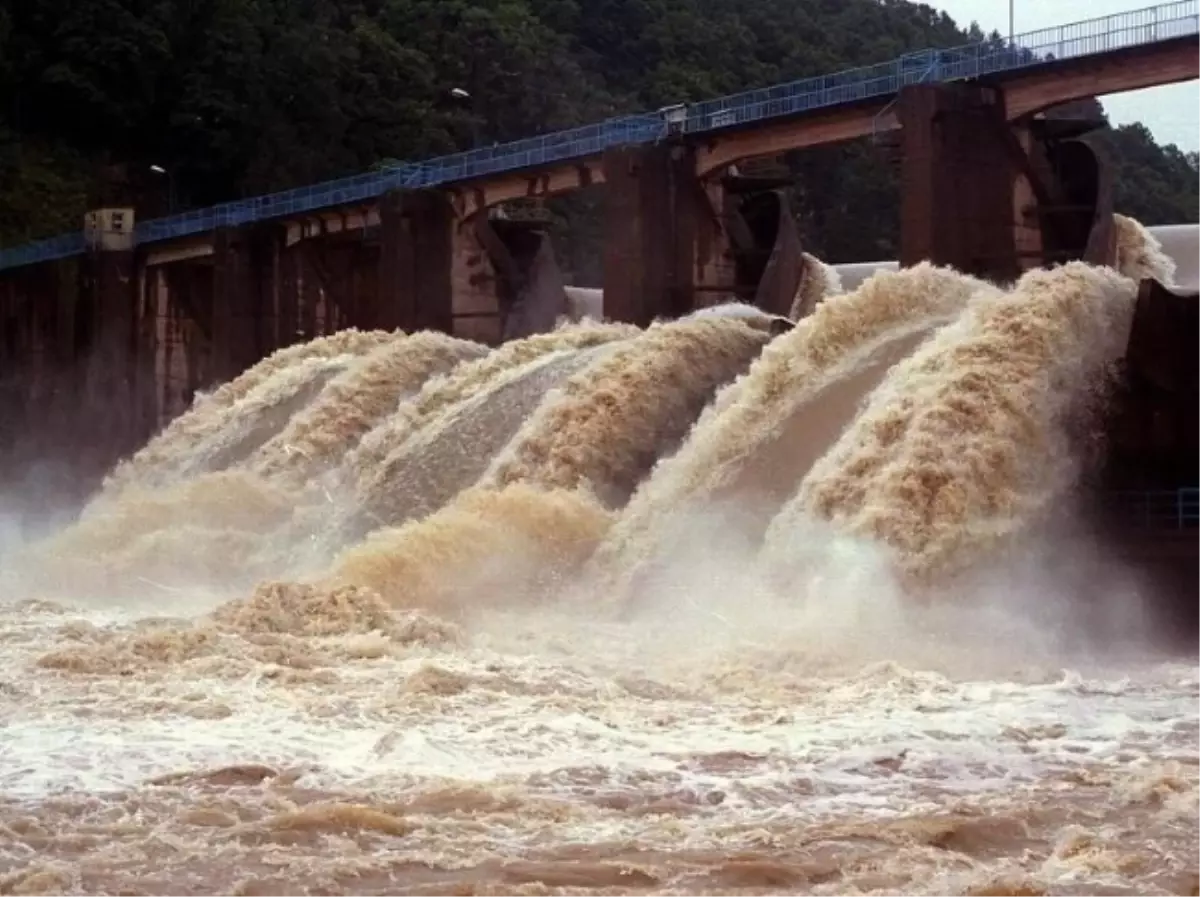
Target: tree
column 240, row 97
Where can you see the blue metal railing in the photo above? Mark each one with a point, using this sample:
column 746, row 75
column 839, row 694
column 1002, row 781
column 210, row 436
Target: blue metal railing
column 1160, row 509
column 62, row 246
column 1090, row 37
column 1094, row 36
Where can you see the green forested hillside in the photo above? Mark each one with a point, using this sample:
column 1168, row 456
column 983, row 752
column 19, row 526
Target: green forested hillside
column 239, row 97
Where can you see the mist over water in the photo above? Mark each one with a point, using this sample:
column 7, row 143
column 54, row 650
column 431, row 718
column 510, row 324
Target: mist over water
column 683, row 609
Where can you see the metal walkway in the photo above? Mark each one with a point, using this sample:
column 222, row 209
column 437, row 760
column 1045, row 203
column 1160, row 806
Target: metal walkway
column 1143, row 27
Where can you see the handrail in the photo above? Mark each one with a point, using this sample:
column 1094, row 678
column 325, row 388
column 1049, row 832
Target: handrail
column 1159, row 508
column 1142, row 27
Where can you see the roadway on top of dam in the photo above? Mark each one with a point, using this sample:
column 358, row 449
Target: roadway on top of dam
column 1029, row 56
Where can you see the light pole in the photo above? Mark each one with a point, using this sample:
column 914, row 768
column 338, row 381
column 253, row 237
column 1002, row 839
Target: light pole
column 460, row 95
column 1012, row 33
column 159, row 170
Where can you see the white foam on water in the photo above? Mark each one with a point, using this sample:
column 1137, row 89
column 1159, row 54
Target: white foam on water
column 457, row 705
column 528, row 716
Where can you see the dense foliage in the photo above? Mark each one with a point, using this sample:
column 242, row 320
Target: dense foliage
column 237, row 97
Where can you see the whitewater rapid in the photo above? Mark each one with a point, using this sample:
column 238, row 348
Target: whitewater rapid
column 694, row 608
column 533, row 752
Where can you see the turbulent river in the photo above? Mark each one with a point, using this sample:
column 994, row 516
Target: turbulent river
column 688, row 609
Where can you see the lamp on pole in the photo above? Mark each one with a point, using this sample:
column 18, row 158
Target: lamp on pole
column 462, row 96
column 159, row 170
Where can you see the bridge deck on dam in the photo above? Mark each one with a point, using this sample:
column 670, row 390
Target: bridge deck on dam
column 1049, row 51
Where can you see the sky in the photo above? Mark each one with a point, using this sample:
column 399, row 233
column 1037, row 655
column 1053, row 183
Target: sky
column 1170, row 112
